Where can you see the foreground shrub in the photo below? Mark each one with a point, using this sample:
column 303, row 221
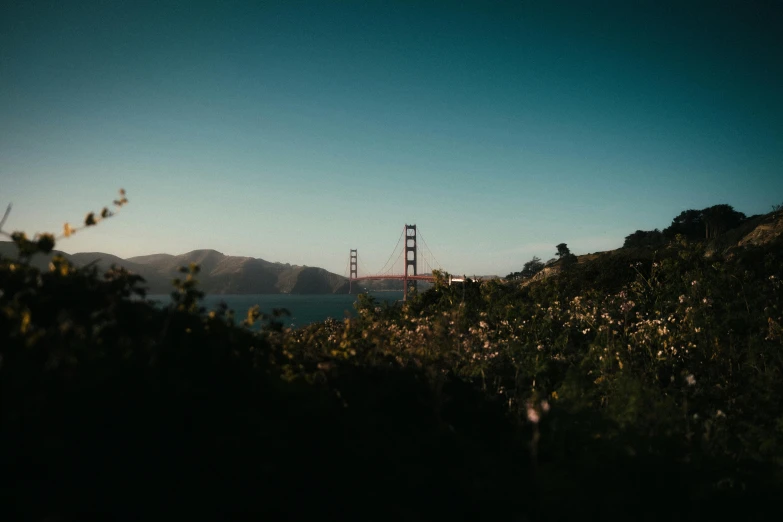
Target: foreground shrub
column 644, row 385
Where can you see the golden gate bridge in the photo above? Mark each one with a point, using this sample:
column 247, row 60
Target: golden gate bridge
column 403, row 263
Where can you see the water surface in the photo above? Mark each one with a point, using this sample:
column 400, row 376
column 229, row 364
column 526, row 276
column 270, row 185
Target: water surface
column 305, row 309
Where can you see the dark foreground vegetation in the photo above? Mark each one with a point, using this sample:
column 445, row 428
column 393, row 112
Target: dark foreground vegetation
column 644, row 385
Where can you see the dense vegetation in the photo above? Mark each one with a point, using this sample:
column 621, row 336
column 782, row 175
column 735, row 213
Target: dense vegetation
column 707, row 223
column 646, row 384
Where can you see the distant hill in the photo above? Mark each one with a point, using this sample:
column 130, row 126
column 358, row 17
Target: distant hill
column 155, row 282
column 220, row 274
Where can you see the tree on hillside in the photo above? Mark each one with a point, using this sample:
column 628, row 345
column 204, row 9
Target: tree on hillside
column 562, row 250
column 688, row 223
column 566, row 258
column 532, row 267
column 706, row 223
column 717, row 219
column 529, row 269
column 645, row 238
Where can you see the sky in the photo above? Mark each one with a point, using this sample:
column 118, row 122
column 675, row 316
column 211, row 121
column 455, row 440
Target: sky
column 295, row 131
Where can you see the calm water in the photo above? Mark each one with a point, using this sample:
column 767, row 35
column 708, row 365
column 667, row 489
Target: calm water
column 305, row 309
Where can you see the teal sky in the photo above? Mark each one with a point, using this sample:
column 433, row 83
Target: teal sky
column 294, row 131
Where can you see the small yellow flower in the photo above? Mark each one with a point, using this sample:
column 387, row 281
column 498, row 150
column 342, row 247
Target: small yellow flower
column 25, row 321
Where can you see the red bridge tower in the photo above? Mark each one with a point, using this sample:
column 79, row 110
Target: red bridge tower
column 354, row 271
column 410, row 261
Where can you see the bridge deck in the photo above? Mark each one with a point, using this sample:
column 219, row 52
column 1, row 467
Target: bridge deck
column 398, row 277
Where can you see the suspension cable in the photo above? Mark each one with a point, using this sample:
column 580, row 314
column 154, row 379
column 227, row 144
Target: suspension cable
column 381, row 271
column 359, row 260
column 424, row 258
column 429, row 249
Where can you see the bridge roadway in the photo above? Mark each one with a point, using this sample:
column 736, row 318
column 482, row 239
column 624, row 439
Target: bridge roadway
column 429, row 278
column 398, row 277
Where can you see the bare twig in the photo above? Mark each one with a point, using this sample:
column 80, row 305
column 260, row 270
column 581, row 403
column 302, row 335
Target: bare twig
column 5, row 216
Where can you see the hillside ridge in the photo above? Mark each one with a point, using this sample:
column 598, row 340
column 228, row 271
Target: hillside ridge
column 219, row 274
column 754, row 231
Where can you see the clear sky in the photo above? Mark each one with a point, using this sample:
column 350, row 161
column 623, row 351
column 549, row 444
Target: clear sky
column 294, row 131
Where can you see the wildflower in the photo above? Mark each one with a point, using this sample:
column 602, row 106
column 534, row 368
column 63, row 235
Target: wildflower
column 682, row 298
column 545, row 406
column 694, row 283
column 720, row 414
column 690, row 379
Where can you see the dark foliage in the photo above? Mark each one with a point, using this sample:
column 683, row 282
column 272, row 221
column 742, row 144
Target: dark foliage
column 645, row 239
column 529, row 269
column 706, row 223
column 641, row 385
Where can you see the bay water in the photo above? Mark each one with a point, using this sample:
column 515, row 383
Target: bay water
column 304, row 308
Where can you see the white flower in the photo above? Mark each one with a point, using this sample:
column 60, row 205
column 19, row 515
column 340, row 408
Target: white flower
column 532, row 414
column 690, row 379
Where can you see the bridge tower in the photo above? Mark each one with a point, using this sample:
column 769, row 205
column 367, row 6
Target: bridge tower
column 410, row 261
column 354, row 273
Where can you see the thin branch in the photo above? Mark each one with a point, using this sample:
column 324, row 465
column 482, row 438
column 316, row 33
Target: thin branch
column 5, row 216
